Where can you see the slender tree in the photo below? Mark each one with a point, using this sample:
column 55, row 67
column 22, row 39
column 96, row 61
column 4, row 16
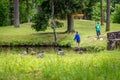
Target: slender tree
column 101, row 12
column 108, row 16
column 11, row 10
column 27, row 10
column 53, row 22
column 16, row 13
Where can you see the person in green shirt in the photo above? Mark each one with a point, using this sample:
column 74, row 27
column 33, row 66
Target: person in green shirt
column 97, row 27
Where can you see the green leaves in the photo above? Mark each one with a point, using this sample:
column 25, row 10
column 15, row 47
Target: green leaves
column 41, row 21
column 116, row 14
column 3, row 12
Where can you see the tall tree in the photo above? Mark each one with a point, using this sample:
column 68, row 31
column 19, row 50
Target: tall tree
column 108, row 16
column 27, row 10
column 101, row 12
column 70, row 23
column 16, row 13
column 11, row 10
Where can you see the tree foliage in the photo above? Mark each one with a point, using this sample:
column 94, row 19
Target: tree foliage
column 3, row 12
column 62, row 9
column 116, row 14
column 96, row 11
column 40, row 21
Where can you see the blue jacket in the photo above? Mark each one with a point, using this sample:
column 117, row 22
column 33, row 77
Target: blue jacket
column 77, row 37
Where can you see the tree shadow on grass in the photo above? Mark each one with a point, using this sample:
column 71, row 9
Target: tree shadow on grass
column 42, row 33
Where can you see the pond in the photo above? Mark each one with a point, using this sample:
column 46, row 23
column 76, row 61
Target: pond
column 47, row 50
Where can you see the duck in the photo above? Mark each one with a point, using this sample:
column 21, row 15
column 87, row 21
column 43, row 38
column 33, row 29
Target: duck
column 25, row 52
column 60, row 51
column 40, row 54
column 32, row 52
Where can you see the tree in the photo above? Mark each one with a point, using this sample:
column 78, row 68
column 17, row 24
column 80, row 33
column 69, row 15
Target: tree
column 41, row 18
column 108, row 16
column 78, row 6
column 101, row 12
column 96, row 12
column 63, row 9
column 116, row 14
column 11, row 12
column 27, row 10
column 16, row 13
column 4, row 13
column 70, row 23
column 53, row 22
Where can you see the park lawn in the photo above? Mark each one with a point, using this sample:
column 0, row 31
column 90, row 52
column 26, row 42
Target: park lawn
column 103, row 65
column 26, row 35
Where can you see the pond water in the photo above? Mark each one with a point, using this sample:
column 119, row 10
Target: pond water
column 48, row 50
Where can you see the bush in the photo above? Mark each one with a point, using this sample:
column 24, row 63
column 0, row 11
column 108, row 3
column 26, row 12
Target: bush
column 116, row 14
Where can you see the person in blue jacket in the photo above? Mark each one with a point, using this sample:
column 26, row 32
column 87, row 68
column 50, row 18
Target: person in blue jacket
column 77, row 39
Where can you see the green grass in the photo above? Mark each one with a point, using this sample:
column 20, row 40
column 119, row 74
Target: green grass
column 96, row 66
column 26, row 35
column 103, row 65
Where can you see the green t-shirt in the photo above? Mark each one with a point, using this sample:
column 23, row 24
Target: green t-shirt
column 97, row 27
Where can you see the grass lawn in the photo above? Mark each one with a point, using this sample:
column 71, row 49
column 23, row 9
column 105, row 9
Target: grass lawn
column 26, row 35
column 103, row 65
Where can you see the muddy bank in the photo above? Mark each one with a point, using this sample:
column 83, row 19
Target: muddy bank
column 85, row 49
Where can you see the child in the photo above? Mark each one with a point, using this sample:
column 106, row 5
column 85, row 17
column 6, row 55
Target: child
column 77, row 39
column 97, row 27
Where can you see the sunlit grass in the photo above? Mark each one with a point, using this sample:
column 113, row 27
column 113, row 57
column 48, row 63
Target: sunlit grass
column 26, row 35
column 104, row 65
column 89, row 66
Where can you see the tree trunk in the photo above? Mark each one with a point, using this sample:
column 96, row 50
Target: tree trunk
column 102, row 12
column 16, row 13
column 53, row 22
column 11, row 10
column 113, row 40
column 27, row 10
column 70, row 23
column 108, row 16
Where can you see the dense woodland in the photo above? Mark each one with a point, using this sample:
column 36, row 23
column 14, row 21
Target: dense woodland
column 15, row 12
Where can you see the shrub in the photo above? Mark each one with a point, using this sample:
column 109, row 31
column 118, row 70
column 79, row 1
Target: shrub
column 116, row 14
